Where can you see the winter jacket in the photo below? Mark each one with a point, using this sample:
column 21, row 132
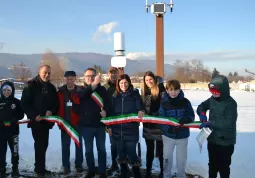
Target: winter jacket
column 152, row 131
column 66, row 112
column 222, row 115
column 110, row 88
column 179, row 108
column 89, row 109
column 38, row 97
column 126, row 103
column 10, row 109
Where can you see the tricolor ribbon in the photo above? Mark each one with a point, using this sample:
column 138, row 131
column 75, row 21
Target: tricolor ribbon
column 7, row 124
column 147, row 119
column 97, row 98
column 61, row 122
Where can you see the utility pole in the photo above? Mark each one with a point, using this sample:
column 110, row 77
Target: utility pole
column 159, row 9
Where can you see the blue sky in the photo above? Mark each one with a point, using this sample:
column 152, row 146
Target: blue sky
column 219, row 32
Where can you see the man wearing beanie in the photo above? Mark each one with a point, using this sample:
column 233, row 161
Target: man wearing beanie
column 40, row 99
column 10, row 113
column 67, row 98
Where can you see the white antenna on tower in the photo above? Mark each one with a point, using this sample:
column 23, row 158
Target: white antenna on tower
column 159, row 8
column 147, row 6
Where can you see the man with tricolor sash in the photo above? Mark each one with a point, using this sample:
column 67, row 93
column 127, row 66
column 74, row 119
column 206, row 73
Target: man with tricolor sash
column 94, row 104
column 10, row 113
column 67, row 99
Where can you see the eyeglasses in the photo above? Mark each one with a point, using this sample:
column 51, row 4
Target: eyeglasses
column 90, row 76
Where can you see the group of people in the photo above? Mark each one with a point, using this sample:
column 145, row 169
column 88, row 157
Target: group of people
column 84, row 106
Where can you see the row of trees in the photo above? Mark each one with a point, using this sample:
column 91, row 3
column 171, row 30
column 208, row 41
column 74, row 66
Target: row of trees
column 190, row 71
column 185, row 71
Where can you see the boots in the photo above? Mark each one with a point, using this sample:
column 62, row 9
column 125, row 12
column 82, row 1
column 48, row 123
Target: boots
column 123, row 170
column 136, row 171
column 15, row 171
column 113, row 168
column 148, row 173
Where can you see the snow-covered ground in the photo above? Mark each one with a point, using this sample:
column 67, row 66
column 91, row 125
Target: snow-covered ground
column 243, row 158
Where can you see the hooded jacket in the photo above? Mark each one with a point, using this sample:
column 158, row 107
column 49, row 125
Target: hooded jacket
column 179, row 108
column 10, row 109
column 223, row 114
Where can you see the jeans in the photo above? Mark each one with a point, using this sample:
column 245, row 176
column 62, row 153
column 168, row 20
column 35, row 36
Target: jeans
column 66, row 142
column 114, row 150
column 89, row 133
column 127, row 149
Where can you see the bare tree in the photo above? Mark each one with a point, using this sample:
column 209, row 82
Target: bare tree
column 21, row 71
column 190, row 71
column 57, row 67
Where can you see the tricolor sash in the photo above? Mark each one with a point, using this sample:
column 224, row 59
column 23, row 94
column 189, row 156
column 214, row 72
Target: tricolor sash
column 147, row 119
column 58, row 120
column 97, row 98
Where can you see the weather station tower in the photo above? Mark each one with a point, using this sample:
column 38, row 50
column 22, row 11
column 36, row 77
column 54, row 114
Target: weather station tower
column 159, row 9
column 119, row 60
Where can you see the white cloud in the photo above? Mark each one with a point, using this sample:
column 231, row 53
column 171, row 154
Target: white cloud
column 104, row 32
column 224, row 55
column 139, row 55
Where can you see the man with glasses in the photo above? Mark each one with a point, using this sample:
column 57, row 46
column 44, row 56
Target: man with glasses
column 40, row 99
column 67, row 98
column 94, row 104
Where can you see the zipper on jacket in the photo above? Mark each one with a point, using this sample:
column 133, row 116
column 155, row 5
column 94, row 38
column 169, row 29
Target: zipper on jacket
column 122, row 107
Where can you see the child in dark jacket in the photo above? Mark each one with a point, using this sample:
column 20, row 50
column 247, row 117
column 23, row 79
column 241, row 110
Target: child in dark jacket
column 222, row 121
column 174, row 104
column 10, row 113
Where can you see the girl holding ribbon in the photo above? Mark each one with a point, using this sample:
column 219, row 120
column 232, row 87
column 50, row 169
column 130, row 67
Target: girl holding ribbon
column 151, row 95
column 126, row 100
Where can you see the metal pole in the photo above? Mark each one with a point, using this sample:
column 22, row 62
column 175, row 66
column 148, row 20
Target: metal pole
column 160, row 45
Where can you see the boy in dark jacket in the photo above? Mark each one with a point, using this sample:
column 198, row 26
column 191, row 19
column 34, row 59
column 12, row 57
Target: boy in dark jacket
column 222, row 121
column 10, row 113
column 174, row 104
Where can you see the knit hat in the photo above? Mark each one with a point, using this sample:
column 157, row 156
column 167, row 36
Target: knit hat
column 7, row 87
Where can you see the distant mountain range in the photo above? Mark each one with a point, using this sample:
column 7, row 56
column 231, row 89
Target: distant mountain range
column 77, row 61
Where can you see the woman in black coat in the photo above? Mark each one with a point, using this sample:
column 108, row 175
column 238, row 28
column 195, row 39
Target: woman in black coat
column 151, row 95
column 126, row 100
